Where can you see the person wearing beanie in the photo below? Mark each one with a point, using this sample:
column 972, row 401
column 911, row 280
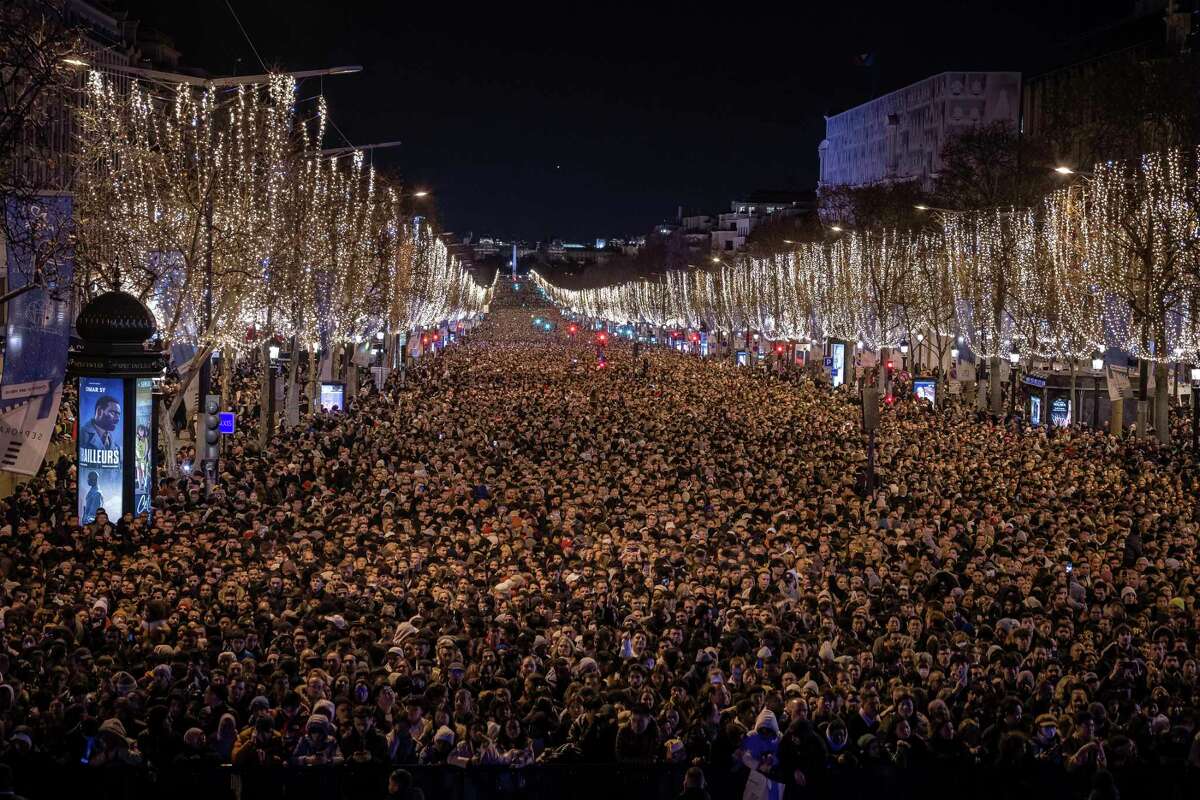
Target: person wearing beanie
column 438, row 751
column 317, row 747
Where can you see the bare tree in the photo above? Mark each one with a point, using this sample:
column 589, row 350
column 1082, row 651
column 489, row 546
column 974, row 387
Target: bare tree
column 35, row 82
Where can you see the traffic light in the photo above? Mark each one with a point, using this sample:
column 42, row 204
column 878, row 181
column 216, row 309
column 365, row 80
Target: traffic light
column 212, row 433
column 779, row 349
column 572, row 329
column 602, row 337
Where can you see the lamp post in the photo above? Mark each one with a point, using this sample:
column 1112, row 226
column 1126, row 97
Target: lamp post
column 268, row 404
column 1014, row 374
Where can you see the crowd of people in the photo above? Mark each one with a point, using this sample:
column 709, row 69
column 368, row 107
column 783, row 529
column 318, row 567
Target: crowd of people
column 511, row 556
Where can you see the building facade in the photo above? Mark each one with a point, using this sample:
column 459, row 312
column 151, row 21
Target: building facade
column 899, row 136
column 734, row 227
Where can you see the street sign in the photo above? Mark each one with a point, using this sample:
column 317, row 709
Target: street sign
column 828, row 361
column 833, row 373
column 227, row 422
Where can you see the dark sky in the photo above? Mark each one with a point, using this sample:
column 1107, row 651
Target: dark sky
column 582, row 120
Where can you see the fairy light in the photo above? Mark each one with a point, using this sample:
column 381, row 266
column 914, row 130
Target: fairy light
column 303, row 246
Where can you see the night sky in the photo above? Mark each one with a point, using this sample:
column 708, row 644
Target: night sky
column 579, row 121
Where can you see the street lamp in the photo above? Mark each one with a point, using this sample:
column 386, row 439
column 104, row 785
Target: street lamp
column 954, row 352
column 1061, row 170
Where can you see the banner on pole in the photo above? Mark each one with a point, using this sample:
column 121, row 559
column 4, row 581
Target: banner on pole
column 38, row 330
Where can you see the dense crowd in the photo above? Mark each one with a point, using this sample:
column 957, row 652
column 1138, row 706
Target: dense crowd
column 514, row 557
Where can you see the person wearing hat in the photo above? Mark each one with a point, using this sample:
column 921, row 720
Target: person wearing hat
column 440, row 748
column 1047, row 744
column 113, row 747
column 318, row 746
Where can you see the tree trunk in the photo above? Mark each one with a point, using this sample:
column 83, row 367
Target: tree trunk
column 227, row 378
column 166, row 429
column 190, row 371
column 1143, row 403
column 881, row 369
column 313, row 389
column 265, row 397
column 1075, row 409
column 994, row 400
column 1116, row 420
column 293, row 387
column 1162, row 403
column 352, row 373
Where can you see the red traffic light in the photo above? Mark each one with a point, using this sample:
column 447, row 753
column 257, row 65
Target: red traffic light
column 571, row 329
column 695, row 337
column 779, row 349
column 889, row 364
column 602, row 337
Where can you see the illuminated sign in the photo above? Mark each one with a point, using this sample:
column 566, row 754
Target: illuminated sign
column 333, row 396
column 100, row 454
column 143, row 446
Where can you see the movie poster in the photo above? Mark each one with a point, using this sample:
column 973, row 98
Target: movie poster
column 143, row 450
column 101, row 438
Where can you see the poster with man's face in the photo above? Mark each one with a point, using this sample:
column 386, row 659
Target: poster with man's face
column 101, row 436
